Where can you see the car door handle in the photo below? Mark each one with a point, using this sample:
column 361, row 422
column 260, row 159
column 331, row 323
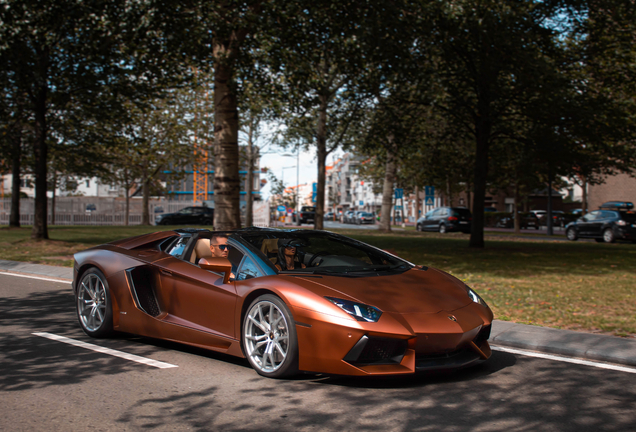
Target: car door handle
column 165, row 272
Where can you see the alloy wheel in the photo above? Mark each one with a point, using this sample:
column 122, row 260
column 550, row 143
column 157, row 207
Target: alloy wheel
column 266, row 333
column 92, row 302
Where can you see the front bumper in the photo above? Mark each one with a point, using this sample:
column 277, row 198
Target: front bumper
column 397, row 344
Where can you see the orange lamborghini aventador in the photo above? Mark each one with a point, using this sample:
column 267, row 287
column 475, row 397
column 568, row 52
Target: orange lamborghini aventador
column 287, row 300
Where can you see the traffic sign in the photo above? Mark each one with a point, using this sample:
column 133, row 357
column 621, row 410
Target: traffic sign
column 399, row 193
column 281, row 208
column 429, row 201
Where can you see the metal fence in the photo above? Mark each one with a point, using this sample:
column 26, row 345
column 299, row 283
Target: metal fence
column 109, row 211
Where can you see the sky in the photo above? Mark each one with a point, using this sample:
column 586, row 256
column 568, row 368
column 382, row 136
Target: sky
column 275, row 161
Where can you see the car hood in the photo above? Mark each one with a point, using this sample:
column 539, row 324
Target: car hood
column 414, row 291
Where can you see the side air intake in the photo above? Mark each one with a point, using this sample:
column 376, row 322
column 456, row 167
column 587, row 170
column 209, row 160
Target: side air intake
column 142, row 281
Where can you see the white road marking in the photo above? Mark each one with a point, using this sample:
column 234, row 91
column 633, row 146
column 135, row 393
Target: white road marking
column 565, row 359
column 34, row 277
column 115, row 353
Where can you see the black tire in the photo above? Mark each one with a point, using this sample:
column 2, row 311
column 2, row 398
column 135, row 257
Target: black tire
column 286, row 328
column 608, row 236
column 208, row 222
column 571, row 234
column 96, row 319
column 442, row 229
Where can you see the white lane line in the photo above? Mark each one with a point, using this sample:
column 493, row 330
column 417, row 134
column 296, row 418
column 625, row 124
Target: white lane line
column 115, row 353
column 565, row 359
column 35, row 277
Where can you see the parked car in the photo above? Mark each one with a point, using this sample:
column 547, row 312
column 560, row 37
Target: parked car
column 187, row 216
column 90, row 208
column 489, row 210
column 444, row 219
column 558, row 218
column 365, row 218
column 338, row 315
column 347, row 217
column 540, row 214
column 605, row 225
column 329, row 216
column 307, row 214
column 527, row 221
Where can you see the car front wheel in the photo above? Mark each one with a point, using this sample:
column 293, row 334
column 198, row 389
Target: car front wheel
column 269, row 338
column 608, row 236
column 571, row 234
column 442, row 229
column 93, row 304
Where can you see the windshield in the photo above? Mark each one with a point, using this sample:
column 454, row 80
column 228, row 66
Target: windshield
column 324, row 253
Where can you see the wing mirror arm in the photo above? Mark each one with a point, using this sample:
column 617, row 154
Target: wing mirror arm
column 217, row 265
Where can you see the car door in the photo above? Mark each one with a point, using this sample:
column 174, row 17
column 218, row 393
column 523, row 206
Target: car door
column 182, row 216
column 197, row 298
column 587, row 224
column 426, row 221
column 440, row 217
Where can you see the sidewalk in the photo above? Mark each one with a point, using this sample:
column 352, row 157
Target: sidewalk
column 561, row 342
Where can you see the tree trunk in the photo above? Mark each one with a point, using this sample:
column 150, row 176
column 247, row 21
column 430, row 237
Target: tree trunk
column 227, row 187
column 53, row 197
column 40, row 230
column 321, row 153
column 249, row 221
column 127, row 197
column 16, row 156
column 145, row 192
column 549, row 209
column 481, row 172
column 584, row 197
column 417, row 203
column 515, row 208
column 387, row 190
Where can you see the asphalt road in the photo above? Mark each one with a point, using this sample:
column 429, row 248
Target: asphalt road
column 49, row 385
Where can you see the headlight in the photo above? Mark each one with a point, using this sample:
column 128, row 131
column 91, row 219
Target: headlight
column 621, row 222
column 475, row 297
column 359, row 311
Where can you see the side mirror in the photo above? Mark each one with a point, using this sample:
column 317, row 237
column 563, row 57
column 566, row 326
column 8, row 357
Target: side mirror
column 217, row 265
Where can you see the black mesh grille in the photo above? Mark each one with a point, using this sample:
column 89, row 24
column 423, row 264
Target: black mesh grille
column 141, row 281
column 483, row 334
column 382, row 351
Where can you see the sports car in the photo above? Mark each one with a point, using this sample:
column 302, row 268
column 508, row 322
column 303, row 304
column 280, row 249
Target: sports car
column 289, row 301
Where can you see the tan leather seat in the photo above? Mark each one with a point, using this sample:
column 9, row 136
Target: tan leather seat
column 270, row 249
column 201, row 250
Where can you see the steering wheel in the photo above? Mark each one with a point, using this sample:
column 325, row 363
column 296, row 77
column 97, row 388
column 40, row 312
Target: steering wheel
column 317, row 255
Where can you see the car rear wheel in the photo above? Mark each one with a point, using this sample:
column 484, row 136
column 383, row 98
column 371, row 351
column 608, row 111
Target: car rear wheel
column 608, row 236
column 571, row 234
column 442, row 229
column 269, row 338
column 418, row 227
column 93, row 304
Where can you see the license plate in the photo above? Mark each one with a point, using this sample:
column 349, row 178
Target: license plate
column 463, row 222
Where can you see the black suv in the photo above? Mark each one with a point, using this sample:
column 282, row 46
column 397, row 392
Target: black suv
column 444, row 219
column 307, row 214
column 612, row 221
column 187, row 216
